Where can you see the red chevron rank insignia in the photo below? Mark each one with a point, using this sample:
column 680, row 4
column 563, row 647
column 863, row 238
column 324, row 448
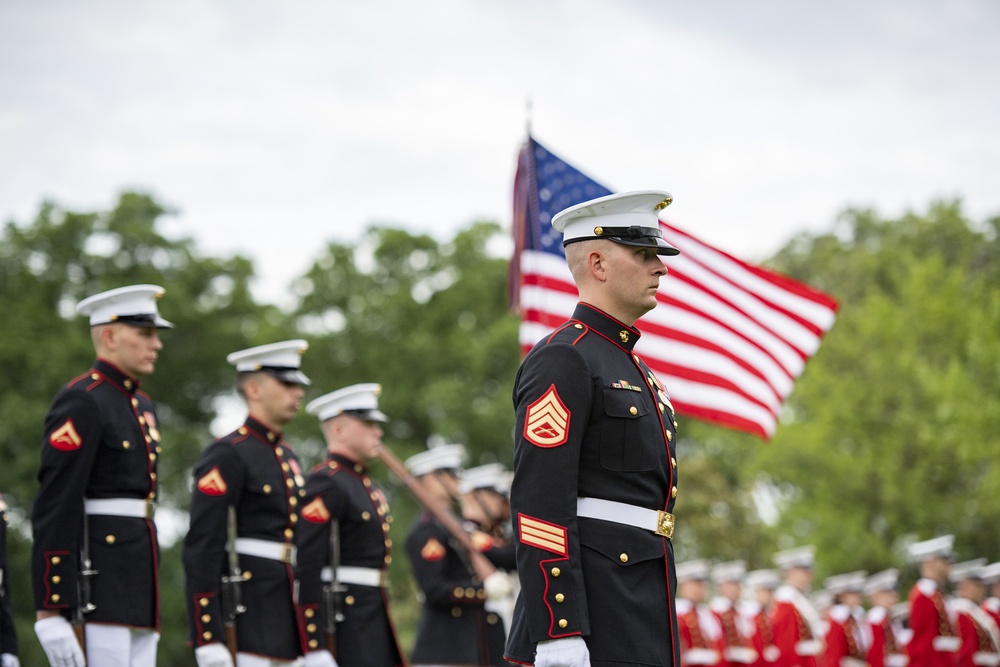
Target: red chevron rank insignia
column 316, row 512
column 212, row 483
column 65, row 438
column 547, row 421
column 433, row 550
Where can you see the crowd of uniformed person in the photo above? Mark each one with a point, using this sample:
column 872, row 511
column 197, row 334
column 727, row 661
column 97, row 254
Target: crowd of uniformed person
column 729, row 617
column 283, row 566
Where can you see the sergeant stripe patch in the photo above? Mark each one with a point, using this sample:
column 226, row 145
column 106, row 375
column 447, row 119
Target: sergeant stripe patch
column 542, row 534
column 547, row 421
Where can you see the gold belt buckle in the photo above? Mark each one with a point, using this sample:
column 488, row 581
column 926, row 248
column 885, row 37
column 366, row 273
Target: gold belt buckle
column 383, row 578
column 665, row 524
column 150, row 509
column 287, row 553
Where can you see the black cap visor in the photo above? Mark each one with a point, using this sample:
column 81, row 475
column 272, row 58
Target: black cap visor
column 640, row 237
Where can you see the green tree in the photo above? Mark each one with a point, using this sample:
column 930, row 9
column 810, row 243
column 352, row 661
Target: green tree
column 888, row 434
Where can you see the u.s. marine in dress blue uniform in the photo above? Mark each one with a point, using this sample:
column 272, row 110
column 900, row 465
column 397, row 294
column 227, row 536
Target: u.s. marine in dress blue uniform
column 257, row 473
column 98, row 484
column 595, row 476
column 8, row 633
column 340, row 492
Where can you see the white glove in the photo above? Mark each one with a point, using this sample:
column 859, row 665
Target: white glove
column 497, row 586
column 566, row 652
column 55, row 634
column 213, row 655
column 9, row 660
column 321, row 658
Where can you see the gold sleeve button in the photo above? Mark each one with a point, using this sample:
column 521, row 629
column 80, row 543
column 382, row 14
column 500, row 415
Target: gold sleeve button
column 313, row 643
column 623, row 557
column 206, row 636
column 563, row 623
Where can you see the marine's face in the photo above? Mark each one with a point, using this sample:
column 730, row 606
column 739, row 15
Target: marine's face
column 362, row 438
column 277, row 401
column 134, row 350
column 634, row 277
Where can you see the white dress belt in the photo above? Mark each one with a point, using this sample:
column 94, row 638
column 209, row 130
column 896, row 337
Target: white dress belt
column 138, row 508
column 280, row 551
column 656, row 521
column 946, row 643
column 360, row 576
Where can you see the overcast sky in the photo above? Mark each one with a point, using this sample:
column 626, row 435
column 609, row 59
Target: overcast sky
column 275, row 126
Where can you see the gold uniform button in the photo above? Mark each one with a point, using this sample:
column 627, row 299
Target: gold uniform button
column 563, row 623
column 55, row 597
column 55, row 560
column 272, row 437
column 670, row 436
column 560, row 597
column 289, row 533
column 311, row 628
column 293, row 501
column 135, row 401
column 243, row 430
column 294, row 518
column 128, row 384
column 152, row 475
column 56, row 579
column 673, row 492
column 556, row 572
column 366, row 515
column 385, row 528
column 267, row 488
column 277, row 450
column 203, row 602
column 459, row 592
column 152, row 456
column 159, row 450
column 247, row 574
column 206, row 635
column 456, row 612
column 284, row 466
column 673, row 462
column 149, row 440
column 578, row 326
column 358, row 468
column 623, row 557
column 309, row 613
column 289, row 482
column 205, row 618
column 349, row 600
column 388, row 559
column 492, row 619
column 142, row 420
column 110, row 539
column 313, row 643
column 675, row 425
column 126, row 444
column 662, row 407
column 470, row 592
column 388, row 543
column 481, row 594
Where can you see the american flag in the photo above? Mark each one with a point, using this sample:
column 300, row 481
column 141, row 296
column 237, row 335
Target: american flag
column 727, row 339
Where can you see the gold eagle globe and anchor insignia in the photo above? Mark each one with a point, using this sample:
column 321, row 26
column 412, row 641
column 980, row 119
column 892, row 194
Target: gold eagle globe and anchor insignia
column 623, row 334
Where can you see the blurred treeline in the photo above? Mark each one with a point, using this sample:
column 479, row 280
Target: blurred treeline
column 886, row 438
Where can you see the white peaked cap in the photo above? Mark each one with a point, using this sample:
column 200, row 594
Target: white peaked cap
column 729, row 572
column 134, row 305
column 970, row 569
column 797, row 557
column 280, row 360
column 990, row 574
column 849, row 582
column 358, row 400
column 629, row 218
column 442, row 457
column 692, row 570
column 490, row 476
column 886, row 580
column 762, row 579
column 938, row 547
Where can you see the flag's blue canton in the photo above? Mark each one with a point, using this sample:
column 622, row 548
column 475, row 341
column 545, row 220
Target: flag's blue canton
column 559, row 186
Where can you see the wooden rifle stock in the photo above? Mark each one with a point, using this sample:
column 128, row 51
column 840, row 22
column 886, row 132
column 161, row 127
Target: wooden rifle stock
column 481, row 566
column 80, row 630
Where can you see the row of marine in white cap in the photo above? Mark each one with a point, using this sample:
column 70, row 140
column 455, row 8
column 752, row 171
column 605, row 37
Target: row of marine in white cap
column 282, row 566
column 731, row 617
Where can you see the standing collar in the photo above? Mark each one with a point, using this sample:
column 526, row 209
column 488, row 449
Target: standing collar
column 620, row 333
column 116, row 376
column 347, row 462
column 261, row 431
